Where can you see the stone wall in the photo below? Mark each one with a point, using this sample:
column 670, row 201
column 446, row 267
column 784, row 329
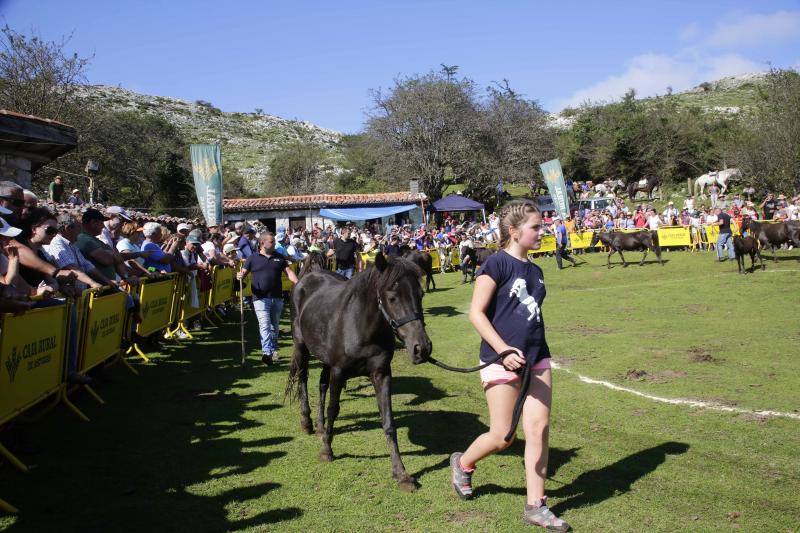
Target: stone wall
column 16, row 169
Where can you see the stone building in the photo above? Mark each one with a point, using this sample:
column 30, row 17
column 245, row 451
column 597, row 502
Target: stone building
column 284, row 212
column 27, row 143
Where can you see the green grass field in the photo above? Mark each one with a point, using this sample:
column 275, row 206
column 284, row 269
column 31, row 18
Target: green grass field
column 196, row 443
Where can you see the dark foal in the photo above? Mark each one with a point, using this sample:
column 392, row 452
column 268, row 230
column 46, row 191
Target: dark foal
column 350, row 327
column 747, row 246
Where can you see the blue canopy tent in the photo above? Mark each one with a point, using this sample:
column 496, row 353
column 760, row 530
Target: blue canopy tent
column 456, row 202
column 365, row 213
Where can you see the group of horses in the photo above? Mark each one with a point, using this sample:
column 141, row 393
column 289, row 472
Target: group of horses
column 649, row 184
column 757, row 235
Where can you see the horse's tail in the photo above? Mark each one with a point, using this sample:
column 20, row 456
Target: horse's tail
column 654, row 237
column 292, row 391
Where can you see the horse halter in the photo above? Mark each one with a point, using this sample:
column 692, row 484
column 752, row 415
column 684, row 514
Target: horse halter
column 395, row 324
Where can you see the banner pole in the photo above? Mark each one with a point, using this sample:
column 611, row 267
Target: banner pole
column 241, row 318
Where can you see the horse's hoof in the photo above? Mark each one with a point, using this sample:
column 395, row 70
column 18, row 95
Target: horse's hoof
column 408, row 485
column 325, row 457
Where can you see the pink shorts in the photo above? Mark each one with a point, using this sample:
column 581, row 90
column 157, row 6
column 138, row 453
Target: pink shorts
column 496, row 373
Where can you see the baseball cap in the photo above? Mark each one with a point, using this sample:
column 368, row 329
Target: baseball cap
column 116, row 210
column 228, row 248
column 93, row 214
column 75, row 190
column 184, row 226
column 7, row 230
column 194, row 237
column 238, row 225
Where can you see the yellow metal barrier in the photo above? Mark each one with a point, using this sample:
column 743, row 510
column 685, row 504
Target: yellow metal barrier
column 32, row 362
column 581, row 239
column 286, row 285
column 156, row 299
column 674, row 236
column 436, row 261
column 104, row 327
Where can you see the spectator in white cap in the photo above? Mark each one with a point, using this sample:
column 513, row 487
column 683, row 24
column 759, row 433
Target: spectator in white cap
column 670, row 214
column 184, row 228
column 75, row 198
column 110, row 232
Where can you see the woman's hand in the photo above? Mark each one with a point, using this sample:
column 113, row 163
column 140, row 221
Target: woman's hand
column 513, row 361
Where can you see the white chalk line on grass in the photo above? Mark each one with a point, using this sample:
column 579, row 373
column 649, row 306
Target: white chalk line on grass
column 677, row 401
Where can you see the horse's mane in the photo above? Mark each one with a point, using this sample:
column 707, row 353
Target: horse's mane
column 376, row 281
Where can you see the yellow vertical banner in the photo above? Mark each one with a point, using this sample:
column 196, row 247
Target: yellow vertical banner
column 156, row 305
column 105, row 319
column 32, row 349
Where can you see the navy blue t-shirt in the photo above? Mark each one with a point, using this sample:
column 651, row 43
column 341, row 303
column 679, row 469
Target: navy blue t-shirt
column 515, row 310
column 266, row 272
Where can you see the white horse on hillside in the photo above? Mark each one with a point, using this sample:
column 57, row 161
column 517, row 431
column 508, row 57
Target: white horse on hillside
column 608, row 186
column 719, row 177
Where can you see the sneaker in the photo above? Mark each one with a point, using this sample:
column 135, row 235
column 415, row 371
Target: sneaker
column 462, row 480
column 267, row 359
column 181, row 334
column 275, row 357
column 540, row 515
column 78, row 379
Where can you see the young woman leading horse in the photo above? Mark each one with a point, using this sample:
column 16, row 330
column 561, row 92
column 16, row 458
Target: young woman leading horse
column 506, row 312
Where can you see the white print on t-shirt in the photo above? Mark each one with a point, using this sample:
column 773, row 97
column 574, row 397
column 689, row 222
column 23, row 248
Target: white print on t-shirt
column 520, row 290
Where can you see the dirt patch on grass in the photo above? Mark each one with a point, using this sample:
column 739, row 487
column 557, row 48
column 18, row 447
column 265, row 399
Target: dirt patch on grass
column 696, row 309
column 583, row 329
column 564, row 361
column 697, row 354
column 460, row 517
column 754, row 417
column 663, row 376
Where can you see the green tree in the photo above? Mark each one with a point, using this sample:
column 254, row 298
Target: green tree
column 39, row 77
column 299, row 167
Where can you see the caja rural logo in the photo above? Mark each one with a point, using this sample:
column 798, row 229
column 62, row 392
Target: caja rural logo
column 12, row 364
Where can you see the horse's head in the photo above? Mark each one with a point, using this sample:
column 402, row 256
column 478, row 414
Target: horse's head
column 400, row 302
column 313, row 261
column 595, row 238
column 746, row 223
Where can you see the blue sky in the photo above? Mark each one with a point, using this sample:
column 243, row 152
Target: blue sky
column 317, row 61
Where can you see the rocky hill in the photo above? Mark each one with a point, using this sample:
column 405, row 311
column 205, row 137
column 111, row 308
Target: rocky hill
column 246, row 139
column 732, row 95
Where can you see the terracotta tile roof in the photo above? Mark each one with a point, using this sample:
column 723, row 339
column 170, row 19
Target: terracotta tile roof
column 32, row 118
column 312, row 201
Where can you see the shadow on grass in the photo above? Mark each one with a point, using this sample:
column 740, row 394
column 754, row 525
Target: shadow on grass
column 443, row 310
column 595, row 486
column 152, row 458
column 422, row 388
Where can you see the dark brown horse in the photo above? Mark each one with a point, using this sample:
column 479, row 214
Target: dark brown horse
column 652, row 184
column 350, row 327
column 313, row 261
column 635, row 241
column 424, row 261
column 772, row 234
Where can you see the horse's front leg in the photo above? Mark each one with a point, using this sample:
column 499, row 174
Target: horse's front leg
column 608, row 260
column 336, row 382
column 643, row 257
column 624, row 264
column 382, row 381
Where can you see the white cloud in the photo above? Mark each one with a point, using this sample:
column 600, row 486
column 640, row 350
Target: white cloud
column 651, row 74
column 753, row 30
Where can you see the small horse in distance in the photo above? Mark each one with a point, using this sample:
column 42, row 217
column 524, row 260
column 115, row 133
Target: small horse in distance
column 619, row 241
column 350, row 325
column 747, row 245
column 646, row 185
